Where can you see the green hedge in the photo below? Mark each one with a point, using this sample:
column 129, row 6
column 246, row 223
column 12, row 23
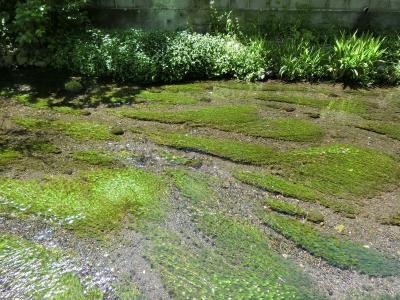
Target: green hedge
column 57, row 34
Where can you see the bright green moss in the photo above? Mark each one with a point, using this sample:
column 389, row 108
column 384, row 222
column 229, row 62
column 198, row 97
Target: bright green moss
column 235, row 151
column 82, row 130
column 8, row 156
column 338, row 252
column 32, row 123
column 287, row 188
column 167, row 97
column 390, row 129
column 343, row 171
column 240, row 266
column 193, row 186
column 240, row 118
column 67, row 110
column 93, row 202
column 79, row 130
column 218, row 117
column 294, row 210
column 94, row 157
column 38, row 272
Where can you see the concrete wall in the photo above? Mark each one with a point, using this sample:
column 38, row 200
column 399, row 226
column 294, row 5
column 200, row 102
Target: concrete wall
column 179, row 14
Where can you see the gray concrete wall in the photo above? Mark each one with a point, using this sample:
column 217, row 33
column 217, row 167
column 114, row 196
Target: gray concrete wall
column 179, row 14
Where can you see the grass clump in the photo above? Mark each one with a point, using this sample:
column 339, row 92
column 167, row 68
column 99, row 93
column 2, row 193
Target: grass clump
column 239, row 118
column 94, row 157
column 337, row 252
column 40, row 273
column 93, row 202
column 296, row 190
column 167, row 97
column 8, row 156
column 294, row 210
column 392, row 130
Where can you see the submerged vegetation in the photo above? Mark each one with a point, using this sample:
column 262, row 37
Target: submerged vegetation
column 341, row 253
column 91, row 202
column 241, row 249
column 41, row 273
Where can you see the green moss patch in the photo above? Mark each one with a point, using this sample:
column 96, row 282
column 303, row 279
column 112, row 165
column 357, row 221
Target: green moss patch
column 287, row 188
column 8, row 156
column 166, row 97
column 241, row 266
column 392, row 130
column 79, row 130
column 82, row 130
column 187, row 87
column 346, row 105
column 39, row 273
column 235, row 151
column 328, row 174
column 394, row 220
column 94, row 202
column 94, row 157
column 343, row 171
column 32, row 123
column 287, row 208
column 240, row 118
column 338, row 252
column 194, row 186
column 44, row 148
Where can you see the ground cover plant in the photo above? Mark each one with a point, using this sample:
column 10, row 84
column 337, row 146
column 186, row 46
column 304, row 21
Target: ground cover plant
column 27, row 262
column 242, row 119
column 198, row 199
column 97, row 205
column 294, row 210
column 242, row 249
column 341, row 253
column 79, row 130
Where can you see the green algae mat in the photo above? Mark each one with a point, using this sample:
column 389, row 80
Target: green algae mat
column 207, row 190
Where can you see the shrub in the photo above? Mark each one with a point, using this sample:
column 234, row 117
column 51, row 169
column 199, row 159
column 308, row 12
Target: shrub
column 33, row 26
column 301, row 60
column 356, row 58
column 134, row 55
column 193, row 56
column 248, row 62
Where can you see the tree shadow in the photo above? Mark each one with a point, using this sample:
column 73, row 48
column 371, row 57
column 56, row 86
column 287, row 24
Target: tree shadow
column 45, row 87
